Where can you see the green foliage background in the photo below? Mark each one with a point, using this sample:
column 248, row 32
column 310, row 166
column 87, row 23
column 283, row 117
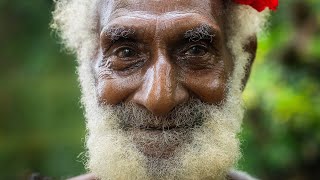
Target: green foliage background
column 42, row 127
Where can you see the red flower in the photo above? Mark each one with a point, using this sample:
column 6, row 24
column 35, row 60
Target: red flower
column 260, row 5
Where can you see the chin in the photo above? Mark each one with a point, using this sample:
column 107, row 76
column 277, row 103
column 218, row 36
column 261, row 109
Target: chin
column 207, row 149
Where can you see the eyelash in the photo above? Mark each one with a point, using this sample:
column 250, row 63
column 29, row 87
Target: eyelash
column 125, row 65
column 204, row 45
column 202, row 48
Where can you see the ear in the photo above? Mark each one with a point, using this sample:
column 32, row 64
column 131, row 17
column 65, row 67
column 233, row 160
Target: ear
column 251, row 48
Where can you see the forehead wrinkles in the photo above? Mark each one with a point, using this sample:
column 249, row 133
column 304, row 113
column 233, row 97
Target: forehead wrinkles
column 112, row 9
column 161, row 6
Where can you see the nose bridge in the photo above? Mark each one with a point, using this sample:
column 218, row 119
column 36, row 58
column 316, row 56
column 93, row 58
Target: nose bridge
column 159, row 86
column 163, row 81
column 160, row 90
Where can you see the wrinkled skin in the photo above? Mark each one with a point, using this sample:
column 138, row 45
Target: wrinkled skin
column 156, row 65
column 159, row 54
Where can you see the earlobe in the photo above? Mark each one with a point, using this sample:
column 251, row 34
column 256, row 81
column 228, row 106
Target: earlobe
column 251, row 48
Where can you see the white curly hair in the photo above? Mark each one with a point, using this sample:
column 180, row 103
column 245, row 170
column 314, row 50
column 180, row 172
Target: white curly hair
column 76, row 22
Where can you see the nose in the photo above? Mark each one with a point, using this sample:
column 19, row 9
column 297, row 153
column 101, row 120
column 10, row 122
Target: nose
column 160, row 91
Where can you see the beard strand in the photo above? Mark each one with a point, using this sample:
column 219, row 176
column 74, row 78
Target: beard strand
column 203, row 143
column 186, row 115
column 211, row 151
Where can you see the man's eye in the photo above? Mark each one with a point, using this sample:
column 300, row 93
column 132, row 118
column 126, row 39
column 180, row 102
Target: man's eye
column 126, row 53
column 196, row 50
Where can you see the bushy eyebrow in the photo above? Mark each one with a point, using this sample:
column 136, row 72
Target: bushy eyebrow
column 116, row 33
column 197, row 33
column 202, row 32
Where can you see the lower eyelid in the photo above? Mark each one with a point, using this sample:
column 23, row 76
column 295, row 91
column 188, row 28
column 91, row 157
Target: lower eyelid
column 206, row 58
column 128, row 64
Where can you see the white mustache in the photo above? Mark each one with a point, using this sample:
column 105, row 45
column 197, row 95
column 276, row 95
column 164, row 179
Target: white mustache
column 187, row 115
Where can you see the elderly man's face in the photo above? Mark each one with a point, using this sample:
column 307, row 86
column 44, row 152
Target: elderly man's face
column 160, row 54
column 161, row 76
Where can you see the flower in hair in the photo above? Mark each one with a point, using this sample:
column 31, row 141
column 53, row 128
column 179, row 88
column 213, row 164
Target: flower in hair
column 260, row 5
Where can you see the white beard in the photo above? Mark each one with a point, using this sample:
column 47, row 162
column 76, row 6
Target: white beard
column 212, row 151
column 112, row 154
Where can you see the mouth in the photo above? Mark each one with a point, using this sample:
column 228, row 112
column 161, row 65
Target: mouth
column 161, row 125
column 160, row 142
column 160, row 136
column 162, row 128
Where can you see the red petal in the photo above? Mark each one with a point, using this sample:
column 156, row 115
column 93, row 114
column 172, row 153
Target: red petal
column 274, row 4
column 246, row 2
column 260, row 5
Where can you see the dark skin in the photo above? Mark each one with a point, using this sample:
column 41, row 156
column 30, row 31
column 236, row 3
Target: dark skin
column 159, row 54
column 155, row 65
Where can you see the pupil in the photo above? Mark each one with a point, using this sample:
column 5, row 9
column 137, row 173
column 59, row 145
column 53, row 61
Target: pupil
column 195, row 50
column 127, row 52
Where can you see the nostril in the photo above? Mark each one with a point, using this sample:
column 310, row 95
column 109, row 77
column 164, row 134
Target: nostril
column 162, row 105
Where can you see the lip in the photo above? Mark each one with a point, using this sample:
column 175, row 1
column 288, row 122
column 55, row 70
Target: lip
column 161, row 128
column 159, row 142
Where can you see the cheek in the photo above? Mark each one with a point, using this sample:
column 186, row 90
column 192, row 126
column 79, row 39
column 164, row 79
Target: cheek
column 115, row 90
column 209, row 87
column 112, row 88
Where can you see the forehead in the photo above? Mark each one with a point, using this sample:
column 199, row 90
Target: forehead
column 110, row 10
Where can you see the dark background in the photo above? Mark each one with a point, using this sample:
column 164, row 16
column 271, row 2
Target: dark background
column 42, row 126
